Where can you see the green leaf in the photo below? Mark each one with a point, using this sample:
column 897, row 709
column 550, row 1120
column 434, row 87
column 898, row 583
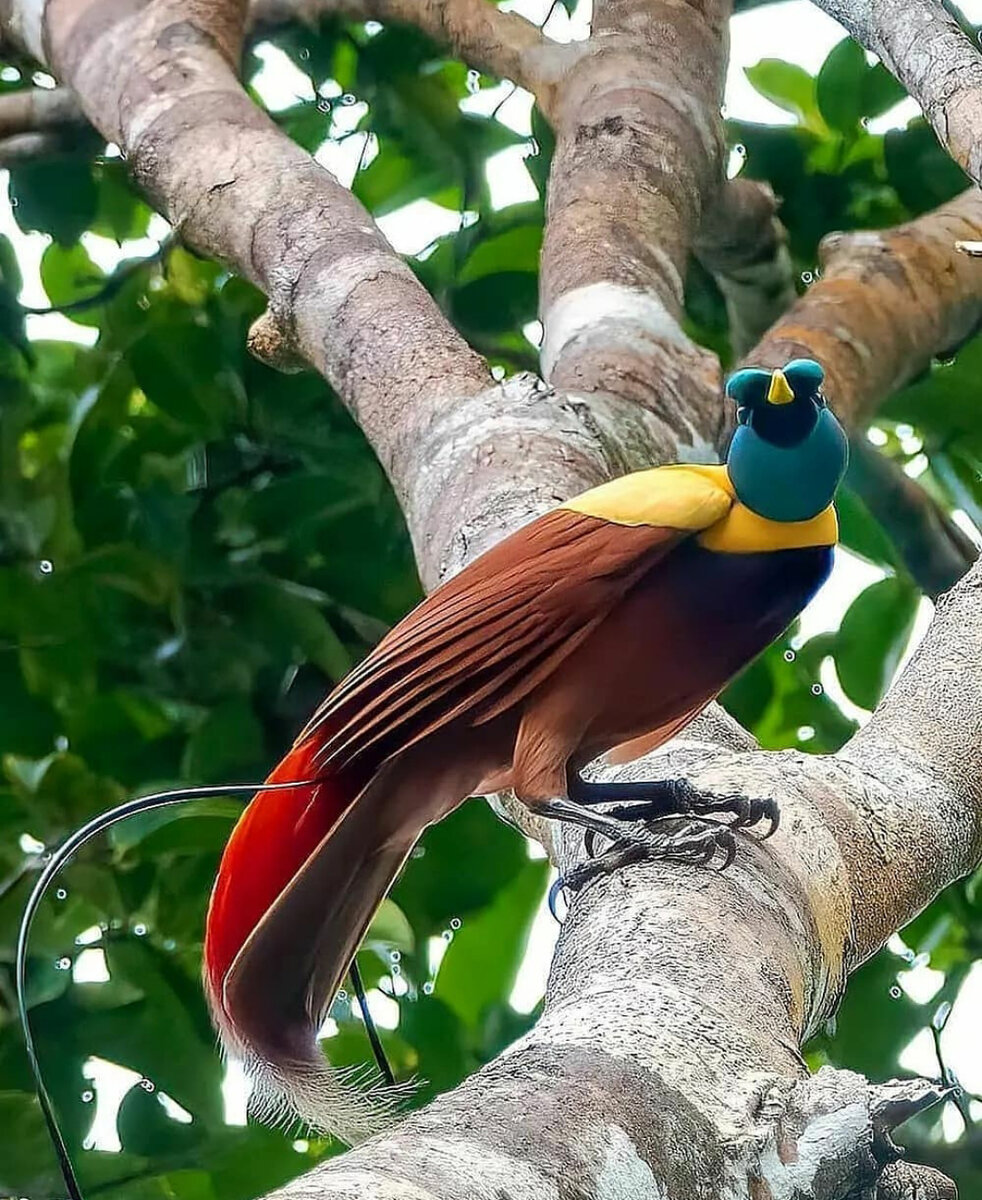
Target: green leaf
column 873, row 637
column 480, row 965
column 27, row 1164
column 788, row 86
column 10, row 273
column 466, row 859
column 181, row 369
column 295, row 626
column 228, row 743
column 58, row 197
column 881, row 91
column 121, row 214
column 193, row 825
column 839, row 87
column 935, row 401
column 515, row 249
column 390, row 929
column 923, row 173
column 495, row 303
column 860, row 532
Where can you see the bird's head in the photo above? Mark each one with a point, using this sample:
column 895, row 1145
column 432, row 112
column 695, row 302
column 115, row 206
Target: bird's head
column 789, row 453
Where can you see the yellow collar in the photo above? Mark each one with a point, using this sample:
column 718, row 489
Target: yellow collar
column 742, row 531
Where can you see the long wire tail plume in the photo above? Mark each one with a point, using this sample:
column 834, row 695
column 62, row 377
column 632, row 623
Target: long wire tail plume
column 54, row 864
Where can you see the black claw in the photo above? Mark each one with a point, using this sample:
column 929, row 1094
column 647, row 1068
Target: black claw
column 554, row 892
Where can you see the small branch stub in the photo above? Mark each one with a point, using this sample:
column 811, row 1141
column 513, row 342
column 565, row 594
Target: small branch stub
column 268, row 342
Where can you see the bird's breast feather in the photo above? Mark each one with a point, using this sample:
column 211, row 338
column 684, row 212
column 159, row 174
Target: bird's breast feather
column 742, row 531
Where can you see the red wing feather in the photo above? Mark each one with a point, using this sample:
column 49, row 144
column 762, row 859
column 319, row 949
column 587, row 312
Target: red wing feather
column 483, row 640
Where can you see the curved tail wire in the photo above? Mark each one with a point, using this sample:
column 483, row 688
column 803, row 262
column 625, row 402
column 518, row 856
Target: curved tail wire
column 74, row 842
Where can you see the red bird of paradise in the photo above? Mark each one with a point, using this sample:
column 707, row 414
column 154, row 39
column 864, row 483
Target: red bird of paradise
column 609, row 622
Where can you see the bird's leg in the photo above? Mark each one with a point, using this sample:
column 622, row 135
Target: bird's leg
column 652, row 800
column 572, row 813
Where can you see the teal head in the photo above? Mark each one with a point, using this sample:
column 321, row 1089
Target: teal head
column 789, row 453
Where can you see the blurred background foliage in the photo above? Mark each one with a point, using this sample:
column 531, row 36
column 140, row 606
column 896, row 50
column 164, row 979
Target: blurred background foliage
column 193, row 548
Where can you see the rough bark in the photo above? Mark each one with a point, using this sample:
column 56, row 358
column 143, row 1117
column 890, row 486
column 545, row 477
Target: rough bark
column 639, row 153
column 935, row 60
column 744, row 245
column 887, row 302
column 667, row 1060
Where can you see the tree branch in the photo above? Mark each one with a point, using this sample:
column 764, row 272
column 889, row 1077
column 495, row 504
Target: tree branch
column 638, row 152
column 743, row 244
column 935, row 60
column 887, row 302
column 39, row 123
column 35, row 110
column 236, row 188
column 501, row 43
column 28, row 147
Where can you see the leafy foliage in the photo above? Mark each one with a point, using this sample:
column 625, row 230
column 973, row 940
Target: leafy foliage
column 192, row 549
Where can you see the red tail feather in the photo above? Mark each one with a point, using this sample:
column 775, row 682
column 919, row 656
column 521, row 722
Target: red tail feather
column 274, row 837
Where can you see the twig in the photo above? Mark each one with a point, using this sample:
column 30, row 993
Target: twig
column 112, row 285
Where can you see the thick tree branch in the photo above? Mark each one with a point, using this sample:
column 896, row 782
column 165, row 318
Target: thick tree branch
column 238, row 189
column 638, row 153
column 678, row 999
column 933, row 58
column 500, row 43
column 886, row 303
column 744, row 245
column 916, row 786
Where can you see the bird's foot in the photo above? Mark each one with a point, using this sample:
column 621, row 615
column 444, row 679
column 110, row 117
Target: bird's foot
column 677, row 840
column 653, row 801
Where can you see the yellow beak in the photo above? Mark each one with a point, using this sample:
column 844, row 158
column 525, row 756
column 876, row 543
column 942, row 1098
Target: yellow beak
column 780, row 391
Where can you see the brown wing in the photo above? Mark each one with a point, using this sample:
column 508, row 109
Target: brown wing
column 484, row 639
